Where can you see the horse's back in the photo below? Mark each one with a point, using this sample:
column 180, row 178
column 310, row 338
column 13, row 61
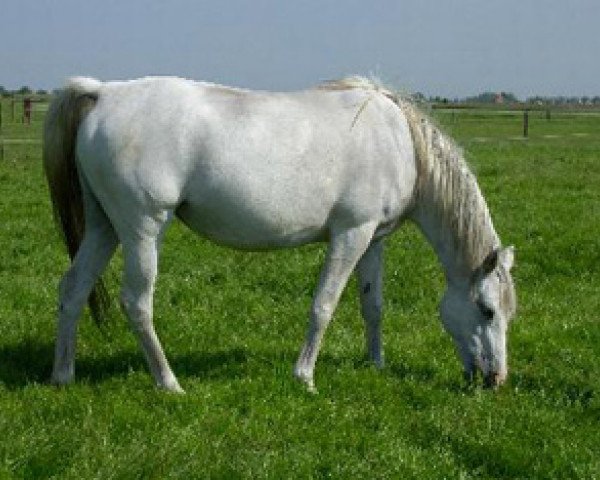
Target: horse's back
column 249, row 169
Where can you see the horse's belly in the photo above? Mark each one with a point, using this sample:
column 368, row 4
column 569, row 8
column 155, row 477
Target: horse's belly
column 251, row 226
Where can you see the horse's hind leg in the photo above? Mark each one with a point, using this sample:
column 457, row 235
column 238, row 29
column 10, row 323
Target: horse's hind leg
column 370, row 286
column 345, row 249
column 96, row 249
column 141, row 262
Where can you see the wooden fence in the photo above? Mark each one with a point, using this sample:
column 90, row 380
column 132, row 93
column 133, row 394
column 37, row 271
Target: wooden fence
column 21, row 124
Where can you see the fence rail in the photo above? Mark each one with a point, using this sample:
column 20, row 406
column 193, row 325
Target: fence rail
column 19, row 138
column 21, row 126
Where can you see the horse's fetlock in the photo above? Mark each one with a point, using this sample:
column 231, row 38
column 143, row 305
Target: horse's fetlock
column 138, row 322
column 322, row 313
column 62, row 377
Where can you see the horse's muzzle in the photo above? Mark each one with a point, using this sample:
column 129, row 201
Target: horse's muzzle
column 494, row 380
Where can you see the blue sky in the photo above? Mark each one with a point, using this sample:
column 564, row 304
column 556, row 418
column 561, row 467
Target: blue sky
column 451, row 48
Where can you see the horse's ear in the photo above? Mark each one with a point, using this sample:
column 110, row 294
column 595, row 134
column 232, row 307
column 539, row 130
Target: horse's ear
column 490, row 262
column 506, row 257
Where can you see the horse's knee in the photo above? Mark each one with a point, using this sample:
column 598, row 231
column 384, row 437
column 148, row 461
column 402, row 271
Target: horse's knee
column 137, row 311
column 321, row 315
column 131, row 304
column 66, row 284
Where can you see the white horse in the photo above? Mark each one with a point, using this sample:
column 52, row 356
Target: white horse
column 346, row 162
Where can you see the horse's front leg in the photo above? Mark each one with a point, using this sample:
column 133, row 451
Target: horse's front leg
column 370, row 285
column 141, row 264
column 345, row 249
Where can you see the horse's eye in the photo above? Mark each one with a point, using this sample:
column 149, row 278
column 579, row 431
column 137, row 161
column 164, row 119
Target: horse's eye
column 486, row 311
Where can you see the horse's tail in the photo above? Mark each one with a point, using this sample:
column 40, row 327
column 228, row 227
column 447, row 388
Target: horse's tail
column 65, row 114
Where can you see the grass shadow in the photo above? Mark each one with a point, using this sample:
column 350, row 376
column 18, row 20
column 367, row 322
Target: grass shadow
column 217, row 365
column 25, row 363
column 30, row 362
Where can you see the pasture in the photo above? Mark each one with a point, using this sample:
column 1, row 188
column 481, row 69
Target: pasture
column 232, row 324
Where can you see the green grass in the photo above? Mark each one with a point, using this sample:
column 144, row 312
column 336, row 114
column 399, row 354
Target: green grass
column 232, row 324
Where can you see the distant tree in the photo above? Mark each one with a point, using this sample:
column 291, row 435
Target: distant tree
column 41, row 91
column 485, row 97
column 509, row 97
column 3, row 90
column 493, row 97
column 596, row 100
column 537, row 100
column 24, row 90
column 560, row 100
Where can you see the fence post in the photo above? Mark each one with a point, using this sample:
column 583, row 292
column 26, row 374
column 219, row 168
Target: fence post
column 27, row 108
column 525, row 123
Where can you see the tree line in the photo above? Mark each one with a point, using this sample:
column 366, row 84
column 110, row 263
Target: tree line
column 510, row 98
column 24, row 90
column 485, row 97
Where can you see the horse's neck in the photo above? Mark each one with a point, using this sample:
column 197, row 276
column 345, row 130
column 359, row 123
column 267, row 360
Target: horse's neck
column 451, row 211
column 455, row 260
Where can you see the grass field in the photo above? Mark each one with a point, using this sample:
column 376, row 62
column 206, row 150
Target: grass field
column 232, row 324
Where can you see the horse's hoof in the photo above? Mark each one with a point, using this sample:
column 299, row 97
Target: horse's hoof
column 58, row 385
column 61, row 380
column 172, row 388
column 310, row 388
column 379, row 363
column 307, row 380
column 309, row 385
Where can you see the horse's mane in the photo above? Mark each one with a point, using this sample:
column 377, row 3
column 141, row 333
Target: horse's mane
column 445, row 185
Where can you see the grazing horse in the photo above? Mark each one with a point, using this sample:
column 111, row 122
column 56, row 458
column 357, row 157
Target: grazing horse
column 346, row 163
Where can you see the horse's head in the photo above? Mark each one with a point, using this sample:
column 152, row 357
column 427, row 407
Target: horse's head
column 477, row 317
